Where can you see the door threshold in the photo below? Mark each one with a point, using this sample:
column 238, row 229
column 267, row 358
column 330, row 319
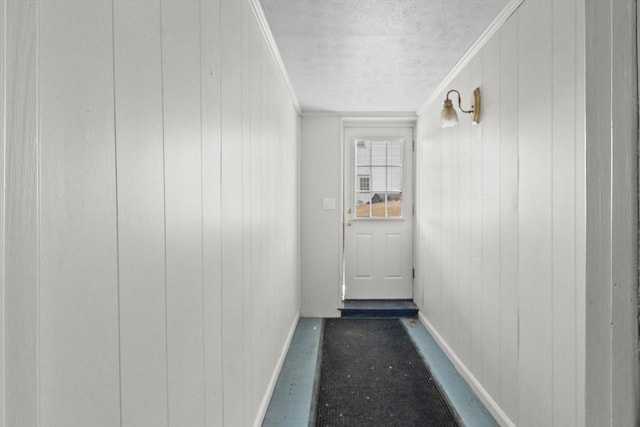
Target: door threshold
column 378, row 308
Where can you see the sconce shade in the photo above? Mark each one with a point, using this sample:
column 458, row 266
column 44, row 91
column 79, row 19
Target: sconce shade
column 449, row 117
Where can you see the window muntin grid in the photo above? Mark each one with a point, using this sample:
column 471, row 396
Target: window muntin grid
column 381, row 162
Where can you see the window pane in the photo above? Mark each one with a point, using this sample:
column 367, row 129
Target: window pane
column 363, row 171
column 378, row 179
column 379, row 153
column 363, row 202
column 394, row 178
column 378, row 205
column 363, row 153
column 394, row 205
column 394, row 153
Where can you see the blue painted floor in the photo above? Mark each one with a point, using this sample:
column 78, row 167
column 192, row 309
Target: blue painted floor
column 464, row 402
column 292, row 401
column 293, row 398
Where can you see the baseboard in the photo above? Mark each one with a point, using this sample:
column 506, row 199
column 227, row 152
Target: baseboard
column 276, row 373
column 491, row 405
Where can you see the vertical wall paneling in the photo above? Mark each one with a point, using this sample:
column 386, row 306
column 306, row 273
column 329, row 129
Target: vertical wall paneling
column 563, row 216
column 270, row 248
column 424, row 266
column 264, row 199
column 418, row 288
column 232, row 210
column 255, row 169
column 423, row 177
column 434, row 295
column 514, row 290
column 3, row 52
column 447, row 282
column 139, row 142
column 278, row 175
column 20, row 240
column 78, row 301
column 437, row 270
column 149, row 256
column 624, row 257
column 272, row 268
column 455, row 231
column 210, row 45
column 272, row 271
column 274, row 154
column 535, row 213
column 245, row 214
column 477, row 187
column 580, row 213
column 294, row 120
column 509, row 218
column 464, row 235
column 183, row 209
column 598, row 266
column 611, row 213
column 491, row 218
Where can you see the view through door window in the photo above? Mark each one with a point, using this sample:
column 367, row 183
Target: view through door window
column 378, row 192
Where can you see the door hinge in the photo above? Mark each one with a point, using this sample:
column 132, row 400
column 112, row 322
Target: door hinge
column 413, row 271
column 413, row 145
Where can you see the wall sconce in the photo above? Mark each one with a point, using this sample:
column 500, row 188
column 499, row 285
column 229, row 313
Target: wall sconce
column 449, row 117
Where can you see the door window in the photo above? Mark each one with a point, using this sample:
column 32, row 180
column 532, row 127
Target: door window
column 378, row 168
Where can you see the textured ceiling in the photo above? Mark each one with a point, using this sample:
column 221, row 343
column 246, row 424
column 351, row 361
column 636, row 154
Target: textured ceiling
column 373, row 55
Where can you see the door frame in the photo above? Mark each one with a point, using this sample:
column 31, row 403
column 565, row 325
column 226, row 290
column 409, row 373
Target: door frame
column 402, row 120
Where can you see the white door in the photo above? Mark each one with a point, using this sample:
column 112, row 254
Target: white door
column 378, row 217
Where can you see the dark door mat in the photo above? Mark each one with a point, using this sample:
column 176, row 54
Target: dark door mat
column 371, row 375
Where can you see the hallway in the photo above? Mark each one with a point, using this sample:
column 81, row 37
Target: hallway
column 171, row 207
column 295, row 400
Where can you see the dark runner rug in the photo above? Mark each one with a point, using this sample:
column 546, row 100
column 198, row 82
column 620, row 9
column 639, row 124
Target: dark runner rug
column 371, row 375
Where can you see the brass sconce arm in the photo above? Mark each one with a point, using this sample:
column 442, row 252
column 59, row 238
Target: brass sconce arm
column 459, row 101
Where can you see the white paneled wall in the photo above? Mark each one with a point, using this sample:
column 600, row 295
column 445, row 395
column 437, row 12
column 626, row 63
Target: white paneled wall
column 501, row 218
column 151, row 213
column 20, row 214
column 321, row 229
column 611, row 295
column 526, row 223
column 3, row 24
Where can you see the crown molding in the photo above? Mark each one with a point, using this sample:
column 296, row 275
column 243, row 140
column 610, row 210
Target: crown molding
column 395, row 120
column 495, row 25
column 363, row 115
column 256, row 7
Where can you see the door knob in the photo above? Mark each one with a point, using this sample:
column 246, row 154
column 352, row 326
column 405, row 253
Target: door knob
column 349, row 223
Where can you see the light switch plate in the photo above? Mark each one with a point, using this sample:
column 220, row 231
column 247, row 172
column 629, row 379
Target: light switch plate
column 329, row 203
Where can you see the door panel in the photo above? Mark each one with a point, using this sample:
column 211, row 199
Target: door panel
column 364, row 252
column 378, row 222
column 393, row 255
